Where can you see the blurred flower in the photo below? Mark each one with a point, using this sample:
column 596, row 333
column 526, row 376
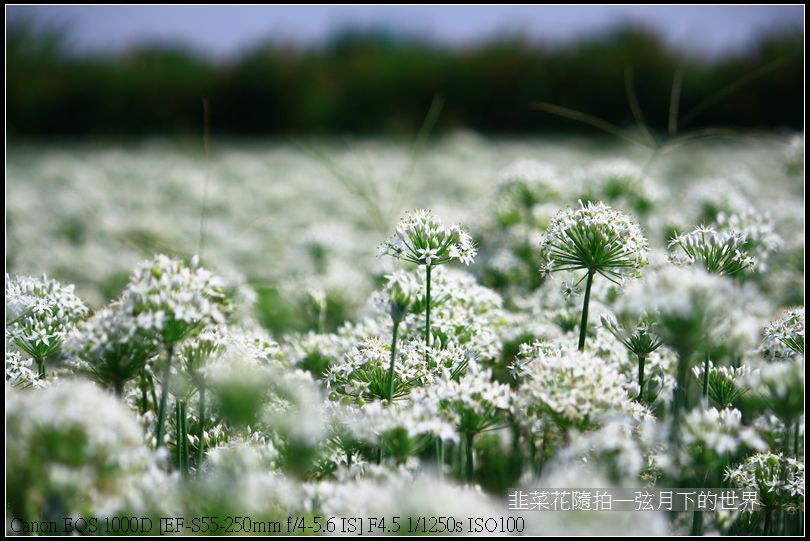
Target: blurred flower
column 710, row 436
column 716, row 251
column 726, row 384
column 70, row 447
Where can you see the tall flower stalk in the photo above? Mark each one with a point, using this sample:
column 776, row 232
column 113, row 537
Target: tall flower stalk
column 172, row 300
column 422, row 239
column 597, row 239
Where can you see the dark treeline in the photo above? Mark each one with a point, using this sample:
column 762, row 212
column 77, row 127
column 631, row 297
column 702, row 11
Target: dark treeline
column 372, row 83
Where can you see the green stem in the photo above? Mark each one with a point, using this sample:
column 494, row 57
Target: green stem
column 679, row 399
column 641, row 360
column 41, row 368
column 184, row 436
column 469, row 462
column 164, row 394
column 391, row 367
column 583, row 326
column 697, row 523
column 118, row 386
column 427, row 310
column 796, row 439
column 440, row 457
column 201, row 433
column 144, row 396
column 706, row 379
column 178, row 446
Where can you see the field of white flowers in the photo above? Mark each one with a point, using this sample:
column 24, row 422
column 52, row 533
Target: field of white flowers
column 280, row 335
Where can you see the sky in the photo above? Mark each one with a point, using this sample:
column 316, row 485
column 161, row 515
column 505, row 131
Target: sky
column 225, row 31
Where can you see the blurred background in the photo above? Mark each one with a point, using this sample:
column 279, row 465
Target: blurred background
column 144, row 70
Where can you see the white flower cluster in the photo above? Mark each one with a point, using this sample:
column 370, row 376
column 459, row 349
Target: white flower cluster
column 471, row 403
column 784, row 338
column 170, row 298
column 21, row 373
column 711, row 434
column 110, row 347
column 568, row 388
column 726, row 384
column 39, row 313
column 774, row 476
column 422, row 239
column 597, row 238
column 758, row 229
column 363, row 372
column 718, row 252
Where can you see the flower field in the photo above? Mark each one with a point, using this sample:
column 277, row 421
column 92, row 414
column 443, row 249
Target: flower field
column 384, row 336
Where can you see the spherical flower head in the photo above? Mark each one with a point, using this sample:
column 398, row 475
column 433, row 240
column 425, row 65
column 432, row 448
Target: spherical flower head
column 109, row 346
column 171, row 298
column 596, row 238
column 568, row 388
column 422, row 239
column 778, row 479
column 719, row 252
column 39, row 313
column 784, row 338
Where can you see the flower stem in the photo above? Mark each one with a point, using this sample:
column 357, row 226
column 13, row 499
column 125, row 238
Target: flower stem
column 706, row 379
column 680, row 395
column 201, row 434
column 144, row 396
column 440, row 457
column 583, row 326
column 796, row 440
column 178, row 446
column 184, row 437
column 118, row 386
column 41, row 368
column 393, row 359
column 427, row 310
column 641, row 360
column 164, row 394
column 469, row 461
